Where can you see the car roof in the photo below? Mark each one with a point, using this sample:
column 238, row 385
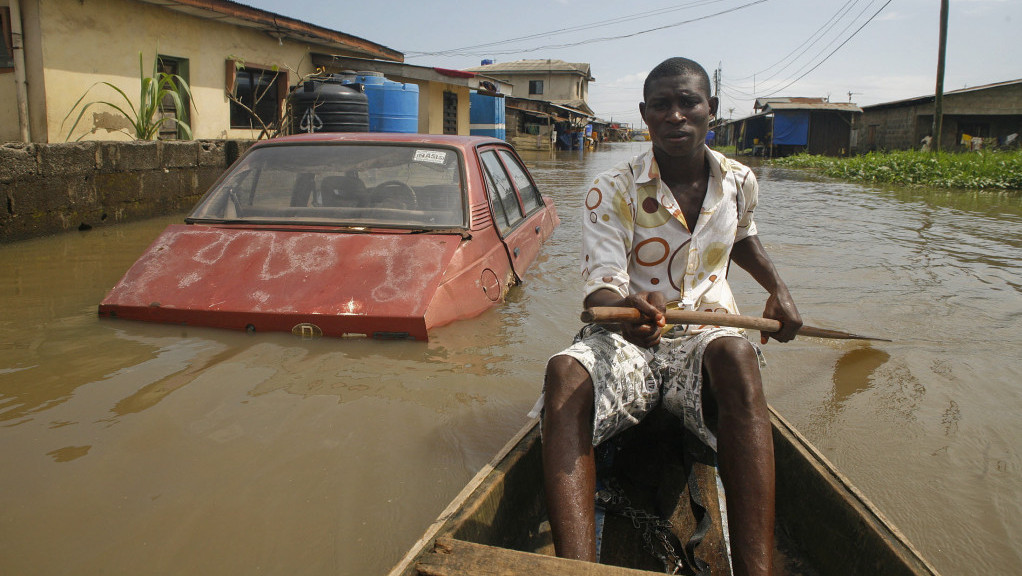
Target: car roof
column 463, row 142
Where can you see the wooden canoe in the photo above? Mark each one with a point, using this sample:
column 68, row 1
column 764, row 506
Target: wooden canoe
column 497, row 524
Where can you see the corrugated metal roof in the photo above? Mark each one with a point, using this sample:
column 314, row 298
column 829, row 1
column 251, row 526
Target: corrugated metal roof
column 931, row 97
column 840, row 106
column 531, row 66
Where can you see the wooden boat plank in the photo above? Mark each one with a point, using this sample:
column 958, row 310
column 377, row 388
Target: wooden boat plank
column 825, row 525
column 819, row 505
column 452, row 557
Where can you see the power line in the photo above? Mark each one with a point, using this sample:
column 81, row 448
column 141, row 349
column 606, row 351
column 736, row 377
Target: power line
column 811, row 40
column 578, row 28
column 764, row 92
column 608, row 38
column 859, row 29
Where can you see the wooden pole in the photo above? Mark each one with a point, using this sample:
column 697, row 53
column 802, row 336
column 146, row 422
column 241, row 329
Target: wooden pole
column 614, row 315
column 938, row 102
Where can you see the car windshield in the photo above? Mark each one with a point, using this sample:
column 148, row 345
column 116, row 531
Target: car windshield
column 362, row 184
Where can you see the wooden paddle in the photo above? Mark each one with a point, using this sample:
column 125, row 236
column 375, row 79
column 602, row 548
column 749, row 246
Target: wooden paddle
column 611, row 314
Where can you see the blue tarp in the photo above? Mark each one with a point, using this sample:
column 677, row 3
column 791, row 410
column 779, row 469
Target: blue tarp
column 791, row 127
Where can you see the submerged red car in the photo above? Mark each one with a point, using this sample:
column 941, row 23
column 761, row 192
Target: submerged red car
column 375, row 235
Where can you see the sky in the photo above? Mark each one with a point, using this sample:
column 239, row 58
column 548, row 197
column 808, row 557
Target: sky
column 863, row 51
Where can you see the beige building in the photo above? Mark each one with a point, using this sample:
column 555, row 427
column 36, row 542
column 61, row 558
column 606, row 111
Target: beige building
column 556, row 81
column 53, row 51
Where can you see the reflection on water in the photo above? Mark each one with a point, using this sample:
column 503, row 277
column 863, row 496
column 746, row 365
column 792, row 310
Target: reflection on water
column 157, row 449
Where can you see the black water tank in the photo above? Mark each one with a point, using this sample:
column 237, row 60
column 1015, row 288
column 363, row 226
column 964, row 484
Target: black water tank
column 329, row 105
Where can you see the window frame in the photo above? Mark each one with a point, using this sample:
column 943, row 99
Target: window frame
column 181, row 65
column 509, row 160
column 535, row 87
column 280, row 78
column 8, row 37
column 514, row 215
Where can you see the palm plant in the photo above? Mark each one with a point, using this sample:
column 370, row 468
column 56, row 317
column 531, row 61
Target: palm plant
column 147, row 118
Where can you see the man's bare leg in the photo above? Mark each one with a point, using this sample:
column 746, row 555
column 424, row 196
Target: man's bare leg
column 745, row 450
column 569, row 471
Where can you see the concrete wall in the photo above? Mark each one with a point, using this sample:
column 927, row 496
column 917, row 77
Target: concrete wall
column 48, row 188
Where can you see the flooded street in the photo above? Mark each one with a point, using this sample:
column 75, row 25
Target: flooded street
column 153, row 449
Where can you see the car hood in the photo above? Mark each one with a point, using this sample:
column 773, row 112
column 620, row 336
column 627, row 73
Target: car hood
column 339, row 283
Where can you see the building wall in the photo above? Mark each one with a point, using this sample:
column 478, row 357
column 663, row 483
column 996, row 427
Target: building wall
column 8, row 109
column 903, row 127
column 431, row 105
column 556, row 86
column 83, row 43
column 431, row 108
column 888, row 129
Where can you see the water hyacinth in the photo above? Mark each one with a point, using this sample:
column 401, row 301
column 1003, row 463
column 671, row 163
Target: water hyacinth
column 986, row 170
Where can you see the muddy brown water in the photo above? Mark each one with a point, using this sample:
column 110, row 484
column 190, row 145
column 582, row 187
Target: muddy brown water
column 150, row 449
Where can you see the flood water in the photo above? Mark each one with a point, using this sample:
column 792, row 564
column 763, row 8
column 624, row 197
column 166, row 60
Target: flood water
column 149, row 449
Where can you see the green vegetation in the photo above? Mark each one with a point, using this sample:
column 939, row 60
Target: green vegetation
column 728, row 151
column 986, row 170
column 148, row 117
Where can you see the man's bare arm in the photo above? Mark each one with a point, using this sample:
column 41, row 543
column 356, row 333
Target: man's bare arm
column 752, row 257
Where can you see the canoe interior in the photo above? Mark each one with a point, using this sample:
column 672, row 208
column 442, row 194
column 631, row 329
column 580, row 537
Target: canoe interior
column 824, row 526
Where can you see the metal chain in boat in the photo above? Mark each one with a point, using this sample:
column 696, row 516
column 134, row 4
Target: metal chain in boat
column 655, row 530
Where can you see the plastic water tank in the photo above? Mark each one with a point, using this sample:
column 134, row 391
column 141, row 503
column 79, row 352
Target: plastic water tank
column 329, row 105
column 393, row 106
column 486, row 115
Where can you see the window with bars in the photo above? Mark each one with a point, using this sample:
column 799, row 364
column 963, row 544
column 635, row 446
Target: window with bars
column 450, row 113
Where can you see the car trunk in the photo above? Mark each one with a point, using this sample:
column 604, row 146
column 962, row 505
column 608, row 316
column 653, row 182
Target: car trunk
column 376, row 284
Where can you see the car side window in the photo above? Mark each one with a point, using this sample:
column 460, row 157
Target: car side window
column 526, row 189
column 506, row 200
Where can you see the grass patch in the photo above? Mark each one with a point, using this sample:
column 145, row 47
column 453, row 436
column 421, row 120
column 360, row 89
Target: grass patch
column 987, row 170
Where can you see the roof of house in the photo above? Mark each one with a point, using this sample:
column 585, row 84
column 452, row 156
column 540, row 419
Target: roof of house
column 408, row 71
column 839, row 106
column 932, row 97
column 277, row 26
column 533, row 66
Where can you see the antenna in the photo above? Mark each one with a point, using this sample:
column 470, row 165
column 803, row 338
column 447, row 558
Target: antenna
column 850, row 93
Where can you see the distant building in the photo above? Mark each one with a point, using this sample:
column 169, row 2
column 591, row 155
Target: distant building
column 784, row 126
column 444, row 94
column 973, row 118
column 221, row 48
column 548, row 107
column 562, row 83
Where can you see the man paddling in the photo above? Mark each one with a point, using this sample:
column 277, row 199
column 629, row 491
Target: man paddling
column 660, row 230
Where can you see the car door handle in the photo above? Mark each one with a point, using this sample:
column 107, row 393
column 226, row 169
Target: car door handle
column 538, row 228
column 516, row 252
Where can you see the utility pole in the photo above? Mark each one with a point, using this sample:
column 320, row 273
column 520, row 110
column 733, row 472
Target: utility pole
column 716, row 80
column 938, row 101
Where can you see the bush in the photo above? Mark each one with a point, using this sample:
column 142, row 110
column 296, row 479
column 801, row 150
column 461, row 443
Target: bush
column 996, row 170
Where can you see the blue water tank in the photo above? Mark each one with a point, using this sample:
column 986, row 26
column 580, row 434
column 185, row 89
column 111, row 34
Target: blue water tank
column 486, row 115
column 393, row 106
column 487, row 62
